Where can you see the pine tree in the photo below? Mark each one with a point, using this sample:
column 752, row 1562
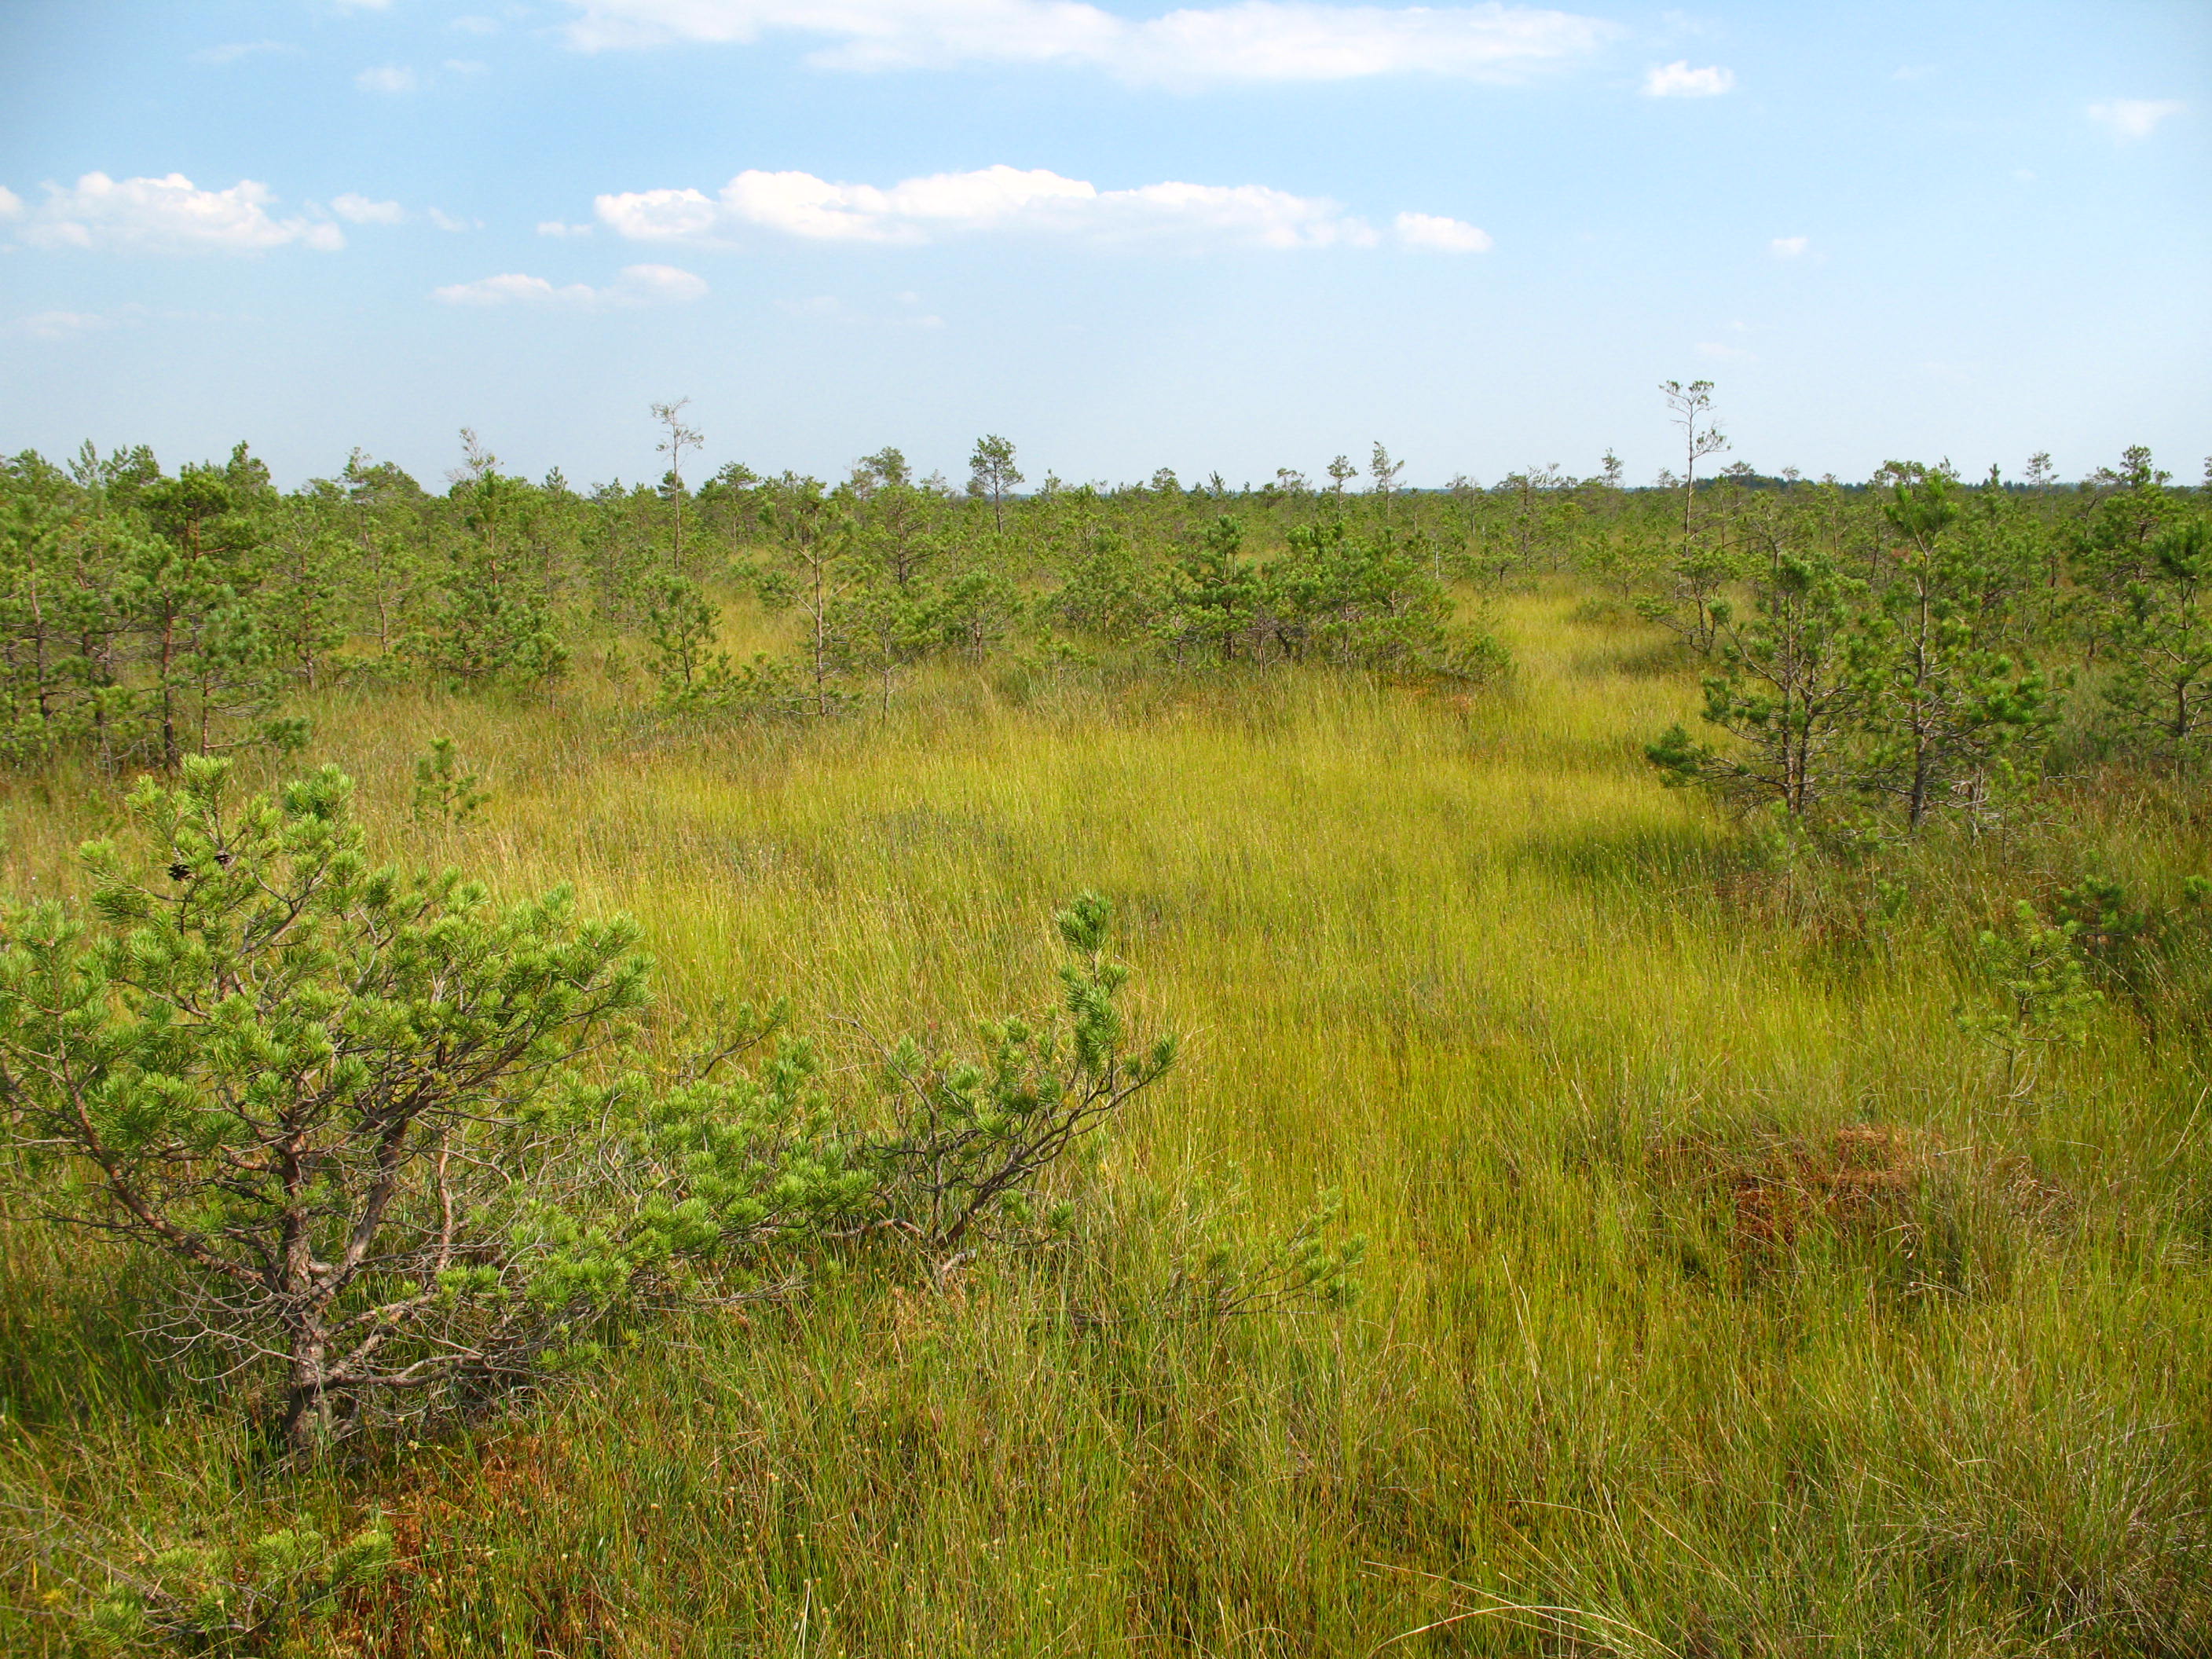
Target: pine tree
column 1940, row 704
column 2159, row 693
column 1786, row 692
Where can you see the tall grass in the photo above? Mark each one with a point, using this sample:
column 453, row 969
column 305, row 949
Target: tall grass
column 1716, row 1302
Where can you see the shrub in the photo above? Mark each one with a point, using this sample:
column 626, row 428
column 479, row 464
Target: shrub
column 972, row 1138
column 353, row 1106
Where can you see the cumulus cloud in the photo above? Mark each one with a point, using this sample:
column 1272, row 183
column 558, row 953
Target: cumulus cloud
column 636, row 285
column 559, row 227
column 1678, row 80
column 1789, row 247
column 168, row 215
column 1250, row 40
column 392, row 78
column 1426, row 230
column 11, row 205
column 360, row 211
column 990, row 199
column 2134, row 118
column 445, row 221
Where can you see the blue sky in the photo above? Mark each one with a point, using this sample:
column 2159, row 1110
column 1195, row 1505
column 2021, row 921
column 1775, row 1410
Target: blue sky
column 1232, row 237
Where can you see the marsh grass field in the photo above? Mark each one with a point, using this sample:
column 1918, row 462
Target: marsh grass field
column 1717, row 1297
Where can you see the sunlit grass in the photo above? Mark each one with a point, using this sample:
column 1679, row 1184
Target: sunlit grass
column 1644, row 1362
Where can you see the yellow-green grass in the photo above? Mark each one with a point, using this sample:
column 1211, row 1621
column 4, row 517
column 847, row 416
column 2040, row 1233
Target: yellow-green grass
column 1716, row 1302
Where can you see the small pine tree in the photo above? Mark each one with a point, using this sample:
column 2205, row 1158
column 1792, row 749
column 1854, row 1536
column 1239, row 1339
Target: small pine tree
column 2043, row 998
column 2160, row 695
column 349, row 1104
column 443, row 793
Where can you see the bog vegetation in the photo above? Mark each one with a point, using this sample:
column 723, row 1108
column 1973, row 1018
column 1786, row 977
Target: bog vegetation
column 760, row 1066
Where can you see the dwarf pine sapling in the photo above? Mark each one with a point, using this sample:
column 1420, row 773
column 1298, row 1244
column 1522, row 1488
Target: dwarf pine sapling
column 1940, row 704
column 1785, row 691
column 212, row 1598
column 2043, row 995
column 972, row 1139
column 443, row 793
column 2160, row 694
column 358, row 1110
column 1227, row 1268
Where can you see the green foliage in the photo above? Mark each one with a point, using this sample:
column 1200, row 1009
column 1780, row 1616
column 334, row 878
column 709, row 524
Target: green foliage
column 976, row 1137
column 349, row 1104
column 696, row 680
column 2041, row 995
column 209, row 1598
column 1909, row 689
column 443, row 793
column 976, row 611
column 1226, row 1268
column 992, row 475
column 1376, row 605
column 683, row 630
column 1785, row 691
column 1372, row 604
column 145, row 617
column 1692, row 599
column 1105, row 590
column 2136, row 947
column 1940, row 704
column 2159, row 695
column 1212, row 597
column 489, row 624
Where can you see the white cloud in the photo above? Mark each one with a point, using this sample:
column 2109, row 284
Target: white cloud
column 990, row 199
column 2134, row 118
column 168, row 215
column 360, row 5
column 1247, row 40
column 58, row 324
column 474, row 26
column 1426, row 230
column 513, row 288
column 1678, row 80
column 557, row 227
column 655, row 285
column 1789, row 247
column 445, row 221
column 11, row 205
column 636, row 285
column 392, row 78
column 463, row 66
column 233, row 52
column 360, row 211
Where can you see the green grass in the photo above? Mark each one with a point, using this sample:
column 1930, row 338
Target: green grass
column 1715, row 1304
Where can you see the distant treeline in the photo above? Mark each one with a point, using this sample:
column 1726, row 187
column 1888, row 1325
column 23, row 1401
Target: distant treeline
column 1895, row 638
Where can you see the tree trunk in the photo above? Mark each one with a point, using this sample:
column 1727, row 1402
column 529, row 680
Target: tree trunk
column 308, row 1406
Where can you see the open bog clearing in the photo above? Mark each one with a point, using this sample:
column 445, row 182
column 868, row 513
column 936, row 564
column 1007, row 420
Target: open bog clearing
column 1717, row 1298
